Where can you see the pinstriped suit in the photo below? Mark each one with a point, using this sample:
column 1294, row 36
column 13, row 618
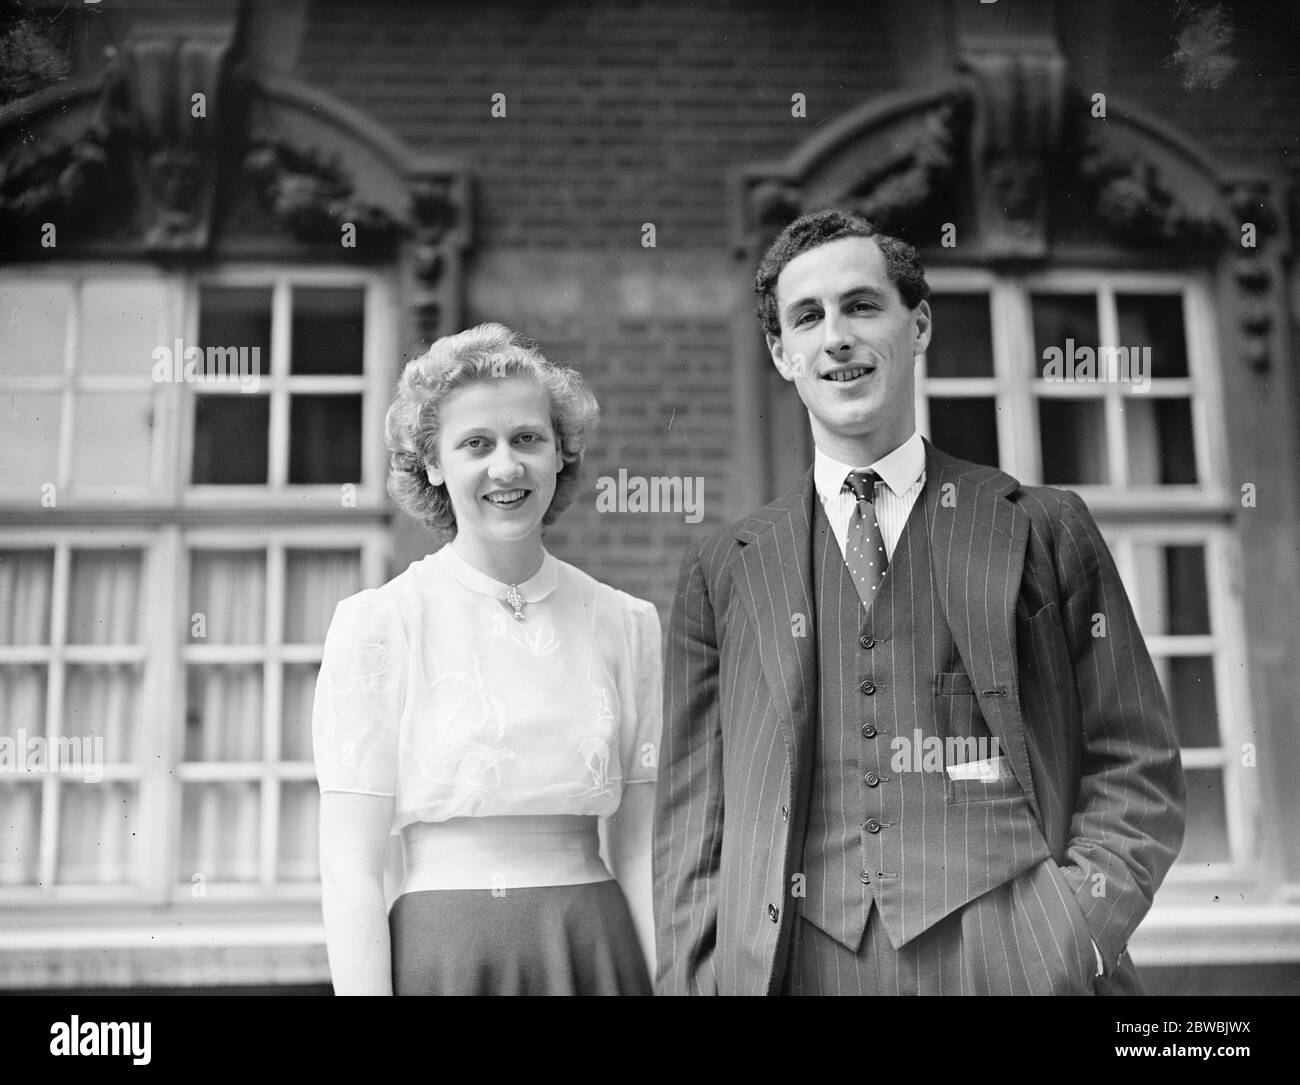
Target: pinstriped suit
column 1019, row 573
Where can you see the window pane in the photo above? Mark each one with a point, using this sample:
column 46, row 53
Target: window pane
column 328, row 329
column 230, row 437
column 105, row 605
column 967, row 428
column 1155, row 321
column 325, row 439
column 33, row 327
column 223, row 712
column 22, row 703
column 102, row 709
column 315, row 581
column 1188, row 682
column 26, row 582
column 1207, row 824
column 99, row 834
column 295, row 716
column 121, row 326
column 219, row 832
column 228, row 596
column 1064, row 321
column 1161, row 449
column 112, row 439
column 20, row 832
column 29, row 439
column 1072, row 433
column 1171, row 596
column 962, row 345
column 238, row 317
column 299, row 832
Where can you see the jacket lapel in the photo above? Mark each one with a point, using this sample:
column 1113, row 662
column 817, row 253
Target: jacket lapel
column 977, row 546
column 774, row 582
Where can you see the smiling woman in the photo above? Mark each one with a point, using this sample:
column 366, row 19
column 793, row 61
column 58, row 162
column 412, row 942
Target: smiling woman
column 491, row 704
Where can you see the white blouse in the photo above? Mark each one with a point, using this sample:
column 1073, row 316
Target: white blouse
column 431, row 691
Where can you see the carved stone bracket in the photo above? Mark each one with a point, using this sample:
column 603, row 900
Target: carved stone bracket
column 177, row 98
column 1015, row 136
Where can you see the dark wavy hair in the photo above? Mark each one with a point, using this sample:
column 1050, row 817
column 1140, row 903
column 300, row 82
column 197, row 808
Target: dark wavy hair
column 485, row 352
column 813, row 228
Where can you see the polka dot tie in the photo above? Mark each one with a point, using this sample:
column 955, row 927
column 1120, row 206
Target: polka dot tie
column 864, row 546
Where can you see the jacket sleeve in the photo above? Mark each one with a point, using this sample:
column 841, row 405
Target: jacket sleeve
column 689, row 799
column 1129, row 816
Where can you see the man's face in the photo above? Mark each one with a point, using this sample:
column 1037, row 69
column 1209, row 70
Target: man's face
column 849, row 344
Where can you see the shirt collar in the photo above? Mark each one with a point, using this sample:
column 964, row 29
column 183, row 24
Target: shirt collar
column 535, row 588
column 899, row 469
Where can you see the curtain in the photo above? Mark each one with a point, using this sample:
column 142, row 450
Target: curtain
column 220, row 832
column 98, row 839
column 223, row 719
column 26, row 591
column 315, row 581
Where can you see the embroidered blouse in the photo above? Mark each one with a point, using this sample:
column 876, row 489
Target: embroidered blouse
column 431, row 691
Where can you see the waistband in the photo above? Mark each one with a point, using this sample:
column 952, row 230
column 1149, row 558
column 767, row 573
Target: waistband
column 502, row 853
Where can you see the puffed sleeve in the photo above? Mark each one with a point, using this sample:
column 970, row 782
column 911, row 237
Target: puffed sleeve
column 359, row 697
column 643, row 718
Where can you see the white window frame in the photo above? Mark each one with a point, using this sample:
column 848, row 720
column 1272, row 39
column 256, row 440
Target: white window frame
column 70, row 380
column 270, row 772
column 279, row 384
column 1163, row 514
column 147, row 773
column 243, row 517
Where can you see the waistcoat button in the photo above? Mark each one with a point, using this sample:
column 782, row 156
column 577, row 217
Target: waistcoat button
column 872, row 826
column 867, row 687
column 872, row 779
column 866, row 641
column 868, row 731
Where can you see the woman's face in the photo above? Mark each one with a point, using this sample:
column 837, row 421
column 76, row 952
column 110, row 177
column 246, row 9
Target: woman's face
column 498, row 457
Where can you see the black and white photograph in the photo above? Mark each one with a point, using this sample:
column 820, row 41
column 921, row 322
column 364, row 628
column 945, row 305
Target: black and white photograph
column 755, row 498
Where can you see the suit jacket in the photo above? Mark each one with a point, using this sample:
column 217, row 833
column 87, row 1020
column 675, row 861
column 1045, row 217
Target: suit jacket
column 1044, row 627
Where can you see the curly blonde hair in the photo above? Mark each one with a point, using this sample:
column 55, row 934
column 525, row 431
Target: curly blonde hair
column 488, row 351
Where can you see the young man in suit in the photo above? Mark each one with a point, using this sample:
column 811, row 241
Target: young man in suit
column 913, row 740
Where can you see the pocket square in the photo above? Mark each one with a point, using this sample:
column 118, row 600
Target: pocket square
column 988, row 770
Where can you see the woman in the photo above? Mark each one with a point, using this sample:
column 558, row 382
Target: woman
column 494, row 705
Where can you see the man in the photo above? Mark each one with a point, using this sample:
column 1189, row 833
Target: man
column 913, row 740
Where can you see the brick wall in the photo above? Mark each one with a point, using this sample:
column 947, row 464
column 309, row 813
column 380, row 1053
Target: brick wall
column 619, row 115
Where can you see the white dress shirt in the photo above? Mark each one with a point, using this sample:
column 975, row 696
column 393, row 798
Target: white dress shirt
column 903, row 474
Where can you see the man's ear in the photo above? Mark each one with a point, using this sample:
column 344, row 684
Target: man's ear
column 789, row 367
column 921, row 314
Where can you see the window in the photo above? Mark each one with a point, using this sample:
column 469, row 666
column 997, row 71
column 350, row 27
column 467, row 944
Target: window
column 299, row 352
column 73, row 662
column 1104, row 384
column 156, row 678
column 79, row 409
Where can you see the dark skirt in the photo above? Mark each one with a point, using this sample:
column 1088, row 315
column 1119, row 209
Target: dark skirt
column 544, row 940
